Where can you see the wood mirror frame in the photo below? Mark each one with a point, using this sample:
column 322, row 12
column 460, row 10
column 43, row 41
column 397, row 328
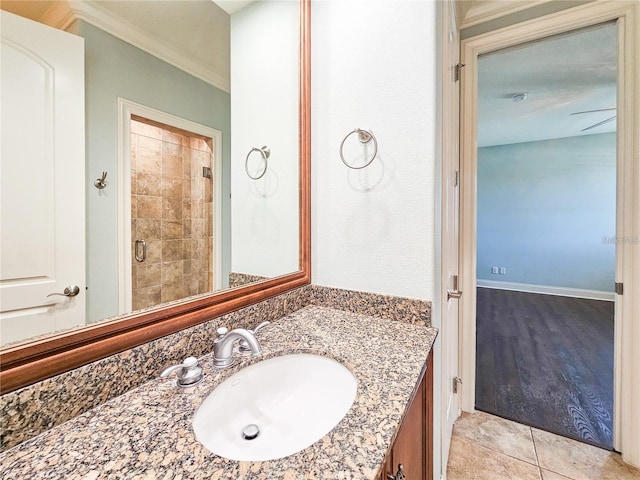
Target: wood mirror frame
column 30, row 362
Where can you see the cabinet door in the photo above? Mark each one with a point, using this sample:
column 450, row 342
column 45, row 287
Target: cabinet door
column 387, row 467
column 413, row 445
column 410, row 447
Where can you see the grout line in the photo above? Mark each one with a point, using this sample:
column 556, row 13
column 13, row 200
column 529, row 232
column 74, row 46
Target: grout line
column 535, row 450
column 495, row 450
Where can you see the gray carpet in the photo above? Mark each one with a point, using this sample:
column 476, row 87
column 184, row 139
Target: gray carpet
column 546, row 361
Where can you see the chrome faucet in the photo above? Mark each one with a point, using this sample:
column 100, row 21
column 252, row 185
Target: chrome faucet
column 223, row 345
column 244, row 346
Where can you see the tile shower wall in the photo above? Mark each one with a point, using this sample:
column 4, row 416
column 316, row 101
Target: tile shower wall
column 171, row 210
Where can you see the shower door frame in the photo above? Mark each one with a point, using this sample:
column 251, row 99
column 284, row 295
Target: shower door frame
column 126, row 109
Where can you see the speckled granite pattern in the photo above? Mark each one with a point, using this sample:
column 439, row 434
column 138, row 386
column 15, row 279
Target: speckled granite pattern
column 36, row 408
column 147, row 433
column 240, row 279
column 417, row 312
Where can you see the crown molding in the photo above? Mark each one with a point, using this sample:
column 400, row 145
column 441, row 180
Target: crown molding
column 62, row 14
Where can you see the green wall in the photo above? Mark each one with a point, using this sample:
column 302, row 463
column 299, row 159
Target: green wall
column 113, row 69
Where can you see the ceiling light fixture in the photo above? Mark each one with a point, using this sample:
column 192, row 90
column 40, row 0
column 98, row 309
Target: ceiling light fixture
column 519, row 97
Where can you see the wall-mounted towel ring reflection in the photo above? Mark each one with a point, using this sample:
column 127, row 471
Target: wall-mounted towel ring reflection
column 364, row 137
column 264, row 152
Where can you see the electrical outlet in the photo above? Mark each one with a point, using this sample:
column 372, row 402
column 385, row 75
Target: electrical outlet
column 503, row 271
column 494, row 270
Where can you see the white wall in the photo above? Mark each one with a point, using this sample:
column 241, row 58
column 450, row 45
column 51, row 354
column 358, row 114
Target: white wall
column 264, row 111
column 374, row 66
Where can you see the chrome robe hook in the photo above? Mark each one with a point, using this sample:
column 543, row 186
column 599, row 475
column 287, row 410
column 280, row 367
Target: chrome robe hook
column 100, row 183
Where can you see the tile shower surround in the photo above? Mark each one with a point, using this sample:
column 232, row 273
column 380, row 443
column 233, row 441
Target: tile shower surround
column 36, row 408
column 171, row 209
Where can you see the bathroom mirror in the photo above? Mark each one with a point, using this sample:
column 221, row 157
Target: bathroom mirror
column 25, row 363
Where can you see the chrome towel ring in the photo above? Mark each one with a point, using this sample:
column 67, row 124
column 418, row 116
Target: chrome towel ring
column 365, row 137
column 264, row 152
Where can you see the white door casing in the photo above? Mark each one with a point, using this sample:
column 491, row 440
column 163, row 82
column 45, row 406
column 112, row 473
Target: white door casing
column 449, row 403
column 42, row 179
column 627, row 316
column 126, row 109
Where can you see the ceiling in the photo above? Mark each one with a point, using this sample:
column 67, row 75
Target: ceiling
column 561, row 75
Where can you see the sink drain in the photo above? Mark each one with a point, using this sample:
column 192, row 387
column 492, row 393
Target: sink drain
column 250, row 432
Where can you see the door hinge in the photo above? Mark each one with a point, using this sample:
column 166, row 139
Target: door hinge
column 456, row 381
column 619, row 288
column 457, row 180
column 457, row 72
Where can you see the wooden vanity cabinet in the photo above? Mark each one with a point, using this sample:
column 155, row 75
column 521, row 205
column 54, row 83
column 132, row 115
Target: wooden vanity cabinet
column 413, row 445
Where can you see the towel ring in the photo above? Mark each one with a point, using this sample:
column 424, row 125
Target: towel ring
column 264, row 152
column 364, row 137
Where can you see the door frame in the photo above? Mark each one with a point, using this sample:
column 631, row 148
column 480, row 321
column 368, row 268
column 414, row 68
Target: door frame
column 126, row 109
column 447, row 401
column 627, row 317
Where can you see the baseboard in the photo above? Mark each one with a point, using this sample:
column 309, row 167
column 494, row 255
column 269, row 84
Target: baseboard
column 548, row 290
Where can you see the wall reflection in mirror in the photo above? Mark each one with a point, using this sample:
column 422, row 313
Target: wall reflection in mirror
column 176, row 96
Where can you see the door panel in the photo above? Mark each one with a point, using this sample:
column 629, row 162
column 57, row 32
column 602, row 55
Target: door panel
column 42, row 179
column 450, row 232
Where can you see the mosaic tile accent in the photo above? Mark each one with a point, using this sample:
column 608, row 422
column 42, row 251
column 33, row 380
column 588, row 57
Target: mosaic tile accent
column 147, row 431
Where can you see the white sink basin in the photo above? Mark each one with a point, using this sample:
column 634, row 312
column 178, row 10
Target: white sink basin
column 293, row 400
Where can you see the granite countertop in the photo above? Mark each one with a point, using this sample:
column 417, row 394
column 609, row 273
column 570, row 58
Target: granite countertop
column 147, row 434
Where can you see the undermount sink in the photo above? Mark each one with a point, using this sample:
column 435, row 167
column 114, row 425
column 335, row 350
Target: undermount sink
column 275, row 408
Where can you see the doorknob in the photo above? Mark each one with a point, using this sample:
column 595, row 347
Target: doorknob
column 70, row 291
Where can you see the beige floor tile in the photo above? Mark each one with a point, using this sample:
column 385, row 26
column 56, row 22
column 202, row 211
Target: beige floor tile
column 493, row 432
column 579, row 461
column 548, row 475
column 470, row 461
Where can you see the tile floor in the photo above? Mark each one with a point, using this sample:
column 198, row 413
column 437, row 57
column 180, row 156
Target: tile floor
column 492, row 448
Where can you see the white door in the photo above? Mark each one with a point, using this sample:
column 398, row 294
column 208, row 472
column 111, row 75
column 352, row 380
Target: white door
column 450, row 232
column 42, row 212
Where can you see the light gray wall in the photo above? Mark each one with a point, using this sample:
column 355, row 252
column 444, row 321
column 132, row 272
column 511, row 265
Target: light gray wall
column 113, row 69
column 543, row 210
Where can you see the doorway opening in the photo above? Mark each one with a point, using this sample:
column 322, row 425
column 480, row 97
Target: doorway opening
column 171, row 213
column 169, row 218
column 546, row 215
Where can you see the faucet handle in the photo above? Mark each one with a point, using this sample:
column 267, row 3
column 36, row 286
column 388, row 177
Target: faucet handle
column 221, row 331
column 190, row 373
column 244, row 346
